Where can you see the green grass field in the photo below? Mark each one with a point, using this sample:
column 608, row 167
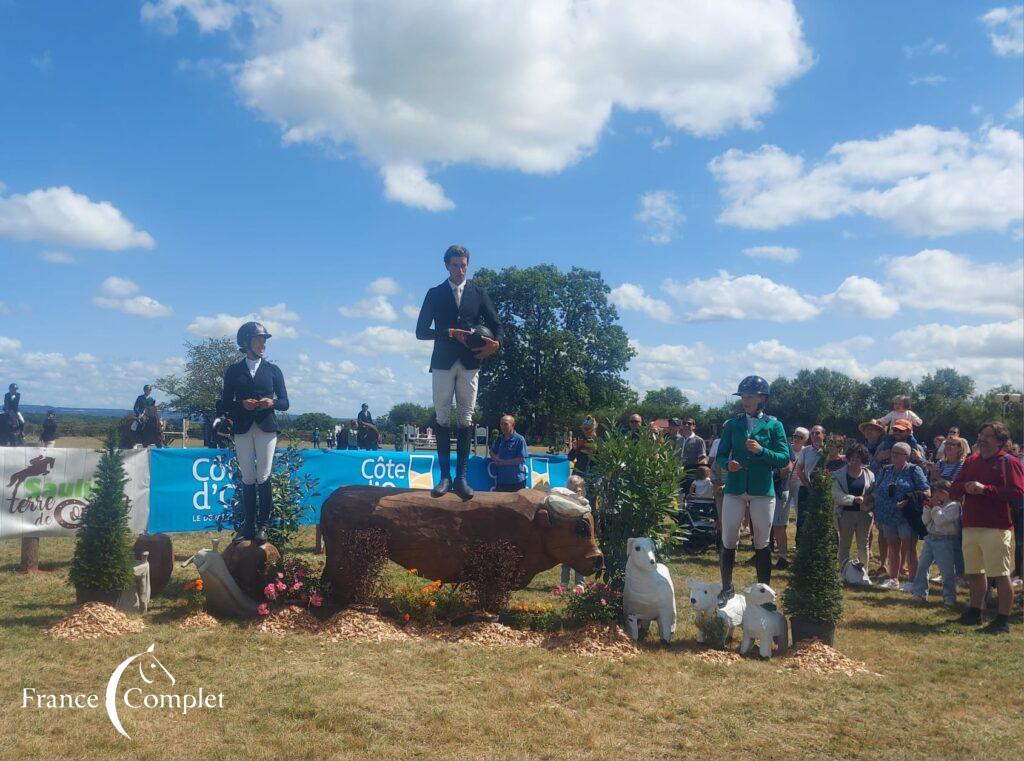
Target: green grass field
column 945, row 692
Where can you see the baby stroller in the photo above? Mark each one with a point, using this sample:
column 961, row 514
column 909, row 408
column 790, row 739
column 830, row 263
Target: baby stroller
column 698, row 520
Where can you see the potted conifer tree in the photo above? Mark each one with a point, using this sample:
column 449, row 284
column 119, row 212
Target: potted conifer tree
column 814, row 598
column 103, row 562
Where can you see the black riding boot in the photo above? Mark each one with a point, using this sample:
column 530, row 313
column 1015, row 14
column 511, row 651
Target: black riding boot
column 728, row 560
column 462, row 446
column 763, row 558
column 266, row 500
column 248, row 527
column 443, row 434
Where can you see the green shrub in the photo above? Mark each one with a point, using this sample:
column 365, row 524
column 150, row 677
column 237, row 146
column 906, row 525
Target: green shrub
column 103, row 562
column 635, row 483
column 815, row 590
column 592, row 602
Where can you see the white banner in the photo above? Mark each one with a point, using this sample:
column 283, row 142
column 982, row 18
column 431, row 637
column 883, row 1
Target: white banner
column 44, row 491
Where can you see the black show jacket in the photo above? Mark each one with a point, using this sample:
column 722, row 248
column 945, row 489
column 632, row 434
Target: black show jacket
column 439, row 308
column 239, row 385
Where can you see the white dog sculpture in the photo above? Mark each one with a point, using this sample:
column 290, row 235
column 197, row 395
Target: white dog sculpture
column 855, row 573
column 648, row 594
column 762, row 624
column 704, row 601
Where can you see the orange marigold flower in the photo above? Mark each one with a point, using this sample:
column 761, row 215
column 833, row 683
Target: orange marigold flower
column 199, row 585
column 411, row 571
column 426, row 590
column 433, row 603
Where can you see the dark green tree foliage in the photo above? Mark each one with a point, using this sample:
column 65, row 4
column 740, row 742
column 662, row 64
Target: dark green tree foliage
column 410, row 413
column 564, row 350
column 197, row 389
column 635, row 484
column 666, row 403
column 815, row 589
column 310, row 420
column 103, row 560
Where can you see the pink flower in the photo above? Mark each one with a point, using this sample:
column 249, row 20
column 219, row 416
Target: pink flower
column 578, row 589
column 281, row 586
column 316, row 600
column 280, row 575
column 557, row 591
column 270, row 592
column 263, row 609
column 604, row 601
column 296, row 586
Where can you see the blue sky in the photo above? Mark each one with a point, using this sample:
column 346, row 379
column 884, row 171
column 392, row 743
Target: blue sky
column 764, row 185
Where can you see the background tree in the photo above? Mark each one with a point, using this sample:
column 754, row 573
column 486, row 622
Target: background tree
column 410, row 413
column 307, row 421
column 564, row 350
column 198, row 388
column 667, row 402
column 818, row 396
column 881, row 390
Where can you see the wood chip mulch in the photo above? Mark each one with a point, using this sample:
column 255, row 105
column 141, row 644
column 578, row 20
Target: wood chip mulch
column 360, row 626
column 93, row 620
column 288, row 620
column 819, row 658
column 199, row 620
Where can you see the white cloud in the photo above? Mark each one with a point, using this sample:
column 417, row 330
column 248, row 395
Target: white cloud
column 209, row 15
column 57, row 257
column 1006, row 29
column 1017, row 112
column 631, row 298
column 670, row 364
column 528, row 85
column 59, row 216
column 1000, row 340
column 376, row 305
column 121, row 294
column 864, row 297
column 661, row 143
column 275, row 318
column 659, row 210
column 940, row 279
column 746, row 297
column 383, row 286
column 782, row 254
column 381, row 339
column 931, row 80
column 9, row 344
column 43, row 61
column 84, row 358
column 409, row 184
column 372, row 307
column 928, row 47
column 923, row 180
column 411, row 310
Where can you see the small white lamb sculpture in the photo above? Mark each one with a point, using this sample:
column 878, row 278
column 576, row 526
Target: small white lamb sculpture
column 855, row 573
column 762, row 624
column 704, row 601
column 648, row 594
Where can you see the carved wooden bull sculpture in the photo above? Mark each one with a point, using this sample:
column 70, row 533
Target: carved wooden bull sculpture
column 434, row 534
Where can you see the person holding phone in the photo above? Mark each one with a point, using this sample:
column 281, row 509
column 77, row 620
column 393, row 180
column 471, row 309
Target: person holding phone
column 253, row 390
column 752, row 446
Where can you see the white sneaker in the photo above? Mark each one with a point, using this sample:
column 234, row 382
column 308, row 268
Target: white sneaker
column 936, row 579
column 890, row 584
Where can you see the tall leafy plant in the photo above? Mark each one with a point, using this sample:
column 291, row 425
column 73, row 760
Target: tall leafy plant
column 815, row 590
column 635, row 485
column 103, row 564
column 291, row 489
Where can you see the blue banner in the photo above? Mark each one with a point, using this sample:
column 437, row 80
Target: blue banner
column 189, row 488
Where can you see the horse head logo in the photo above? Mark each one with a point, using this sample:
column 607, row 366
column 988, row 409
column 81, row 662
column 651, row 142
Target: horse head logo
column 150, row 669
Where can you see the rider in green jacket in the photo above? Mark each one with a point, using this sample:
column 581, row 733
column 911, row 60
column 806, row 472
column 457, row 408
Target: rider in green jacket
column 752, row 446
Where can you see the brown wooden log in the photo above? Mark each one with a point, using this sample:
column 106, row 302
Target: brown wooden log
column 433, row 535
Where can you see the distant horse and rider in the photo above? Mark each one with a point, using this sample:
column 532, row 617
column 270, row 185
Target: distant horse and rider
column 149, row 432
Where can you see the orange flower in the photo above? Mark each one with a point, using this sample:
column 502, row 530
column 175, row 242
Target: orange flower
column 437, row 584
column 433, row 603
column 426, row 590
column 199, row 585
column 411, row 571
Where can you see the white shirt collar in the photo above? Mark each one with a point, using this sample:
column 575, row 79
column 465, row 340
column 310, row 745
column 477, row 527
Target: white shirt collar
column 253, row 364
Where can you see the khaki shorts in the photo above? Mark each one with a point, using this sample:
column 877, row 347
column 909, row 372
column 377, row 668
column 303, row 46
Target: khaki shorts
column 987, row 551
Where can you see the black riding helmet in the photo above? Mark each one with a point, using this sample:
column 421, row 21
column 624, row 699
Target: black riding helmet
column 249, row 331
column 13, row 387
column 753, row 384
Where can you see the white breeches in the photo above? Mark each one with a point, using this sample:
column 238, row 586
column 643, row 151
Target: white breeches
column 463, row 384
column 734, row 507
column 255, row 452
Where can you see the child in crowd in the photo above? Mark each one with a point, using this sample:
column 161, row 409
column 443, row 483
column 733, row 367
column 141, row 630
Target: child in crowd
column 900, row 411
column 702, row 491
column 942, row 520
column 578, row 485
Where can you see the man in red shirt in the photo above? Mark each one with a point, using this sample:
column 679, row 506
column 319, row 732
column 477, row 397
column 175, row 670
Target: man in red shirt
column 990, row 481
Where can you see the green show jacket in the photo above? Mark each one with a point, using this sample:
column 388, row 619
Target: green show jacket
column 755, row 478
